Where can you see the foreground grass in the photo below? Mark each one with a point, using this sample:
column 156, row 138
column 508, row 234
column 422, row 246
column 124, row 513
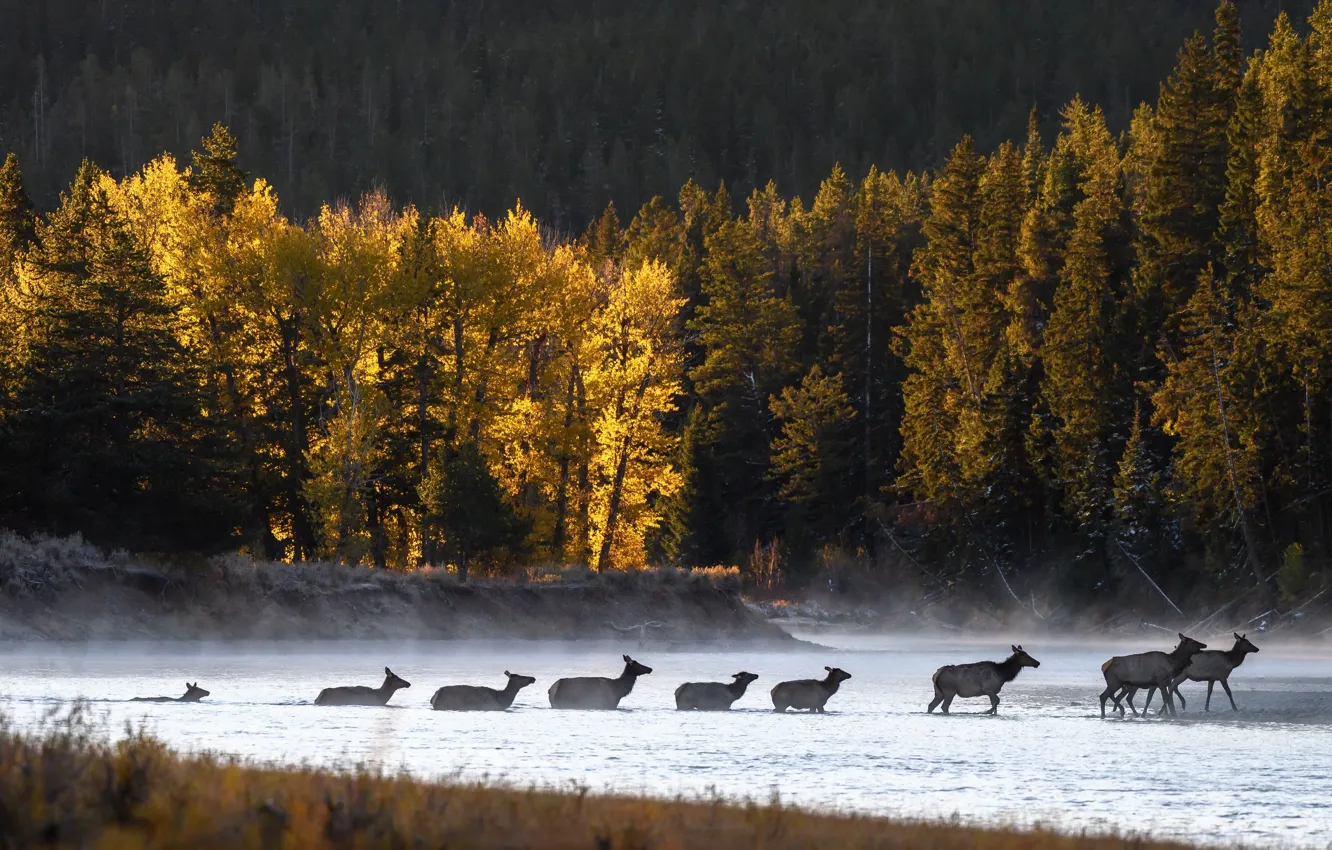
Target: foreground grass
column 72, row 787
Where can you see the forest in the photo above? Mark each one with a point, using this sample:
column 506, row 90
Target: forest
column 1083, row 355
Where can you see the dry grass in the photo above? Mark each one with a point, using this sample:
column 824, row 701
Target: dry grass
column 69, row 787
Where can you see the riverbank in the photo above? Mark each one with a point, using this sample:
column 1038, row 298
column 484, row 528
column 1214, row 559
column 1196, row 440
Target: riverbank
column 67, row 589
column 69, row 787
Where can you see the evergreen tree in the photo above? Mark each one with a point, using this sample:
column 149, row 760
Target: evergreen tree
column 812, row 458
column 1217, row 475
column 110, row 440
column 215, row 172
column 465, row 506
column 749, row 333
column 17, row 230
column 1085, row 385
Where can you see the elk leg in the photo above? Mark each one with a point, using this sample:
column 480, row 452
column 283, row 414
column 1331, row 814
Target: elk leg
column 1129, row 699
column 1174, row 688
column 947, row 703
column 1210, row 684
column 994, row 703
column 1109, row 693
column 934, row 703
column 1151, row 692
column 1169, row 700
column 1233, row 707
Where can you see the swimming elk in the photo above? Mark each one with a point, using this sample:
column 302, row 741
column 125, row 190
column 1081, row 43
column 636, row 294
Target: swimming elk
column 712, row 696
column 808, row 694
column 476, row 698
column 362, row 695
column 1124, row 674
column 193, row 693
column 596, row 691
column 984, row 678
column 1212, row 666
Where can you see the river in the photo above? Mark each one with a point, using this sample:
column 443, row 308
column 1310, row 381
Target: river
column 1260, row 776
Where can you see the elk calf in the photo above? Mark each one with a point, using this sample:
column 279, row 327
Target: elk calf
column 808, row 694
column 596, row 692
column 475, row 698
column 712, row 696
column 1124, row 674
column 193, row 693
column 361, row 694
column 984, row 678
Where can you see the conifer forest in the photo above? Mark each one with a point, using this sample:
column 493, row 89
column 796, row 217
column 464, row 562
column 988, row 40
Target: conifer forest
column 953, row 289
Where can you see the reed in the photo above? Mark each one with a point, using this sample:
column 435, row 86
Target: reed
column 71, row 786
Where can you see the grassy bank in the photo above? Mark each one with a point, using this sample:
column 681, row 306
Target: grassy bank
column 70, row 787
column 66, row 589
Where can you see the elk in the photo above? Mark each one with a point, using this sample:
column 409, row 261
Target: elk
column 983, row 678
column 808, row 694
column 361, row 694
column 193, row 693
column 712, row 696
column 476, row 698
column 596, row 692
column 1124, row 674
column 1212, row 666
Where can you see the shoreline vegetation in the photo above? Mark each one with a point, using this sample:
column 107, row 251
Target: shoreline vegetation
column 65, row 589
column 69, row 785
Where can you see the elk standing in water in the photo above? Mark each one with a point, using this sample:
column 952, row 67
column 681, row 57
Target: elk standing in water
column 808, row 694
column 1124, row 674
column 712, row 696
column 1212, row 666
column 193, row 693
column 984, row 678
column 475, row 698
column 596, row 691
column 361, row 694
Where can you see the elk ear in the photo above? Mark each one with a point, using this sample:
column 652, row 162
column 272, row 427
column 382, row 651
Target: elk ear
column 627, row 659
column 507, row 673
column 1238, row 636
column 1013, row 647
column 1181, row 636
column 388, row 672
column 826, row 667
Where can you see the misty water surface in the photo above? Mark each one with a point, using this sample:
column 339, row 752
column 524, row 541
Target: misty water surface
column 1261, row 776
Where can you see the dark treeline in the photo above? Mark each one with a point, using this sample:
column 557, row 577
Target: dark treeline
column 568, row 106
column 1092, row 359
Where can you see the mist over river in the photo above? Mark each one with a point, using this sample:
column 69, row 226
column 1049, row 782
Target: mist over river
column 1262, row 776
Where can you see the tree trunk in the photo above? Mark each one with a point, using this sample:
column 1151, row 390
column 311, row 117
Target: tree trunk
column 617, row 487
column 423, row 435
column 302, row 533
column 562, row 494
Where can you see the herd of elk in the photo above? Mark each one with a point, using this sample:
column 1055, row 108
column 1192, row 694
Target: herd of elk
column 1124, row 675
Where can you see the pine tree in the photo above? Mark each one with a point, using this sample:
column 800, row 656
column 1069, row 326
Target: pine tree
column 812, row 457
column 466, row 508
column 948, row 341
column 17, row 231
column 215, row 172
column 1186, row 179
column 1217, row 474
column 749, row 333
column 1085, row 386
column 1140, row 511
column 111, row 441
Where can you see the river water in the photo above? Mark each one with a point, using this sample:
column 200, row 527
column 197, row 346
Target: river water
column 1262, row 776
